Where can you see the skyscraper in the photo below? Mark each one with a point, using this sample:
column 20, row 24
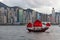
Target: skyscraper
column 53, row 15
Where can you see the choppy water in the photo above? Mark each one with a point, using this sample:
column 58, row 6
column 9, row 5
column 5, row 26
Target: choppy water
column 20, row 33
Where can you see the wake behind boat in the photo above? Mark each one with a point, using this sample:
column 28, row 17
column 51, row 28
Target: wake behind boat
column 37, row 26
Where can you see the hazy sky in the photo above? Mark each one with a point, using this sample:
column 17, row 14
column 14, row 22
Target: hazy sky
column 44, row 6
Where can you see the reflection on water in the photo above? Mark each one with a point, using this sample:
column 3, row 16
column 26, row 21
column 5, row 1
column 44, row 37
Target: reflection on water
column 20, row 33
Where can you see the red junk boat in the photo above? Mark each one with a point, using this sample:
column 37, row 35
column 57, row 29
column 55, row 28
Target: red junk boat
column 37, row 26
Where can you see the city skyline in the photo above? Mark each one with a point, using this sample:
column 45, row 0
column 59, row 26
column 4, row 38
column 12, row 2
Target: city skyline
column 44, row 6
column 15, row 14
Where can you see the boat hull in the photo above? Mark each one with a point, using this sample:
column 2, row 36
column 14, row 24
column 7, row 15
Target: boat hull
column 41, row 30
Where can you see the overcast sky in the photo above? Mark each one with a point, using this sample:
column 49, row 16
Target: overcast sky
column 44, row 6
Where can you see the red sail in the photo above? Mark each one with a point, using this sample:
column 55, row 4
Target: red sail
column 37, row 23
column 29, row 25
column 48, row 24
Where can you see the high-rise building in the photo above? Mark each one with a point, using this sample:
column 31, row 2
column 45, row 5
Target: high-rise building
column 29, row 15
column 34, row 15
column 39, row 16
column 13, row 15
column 57, row 18
column 53, row 15
column 8, row 15
column 53, row 12
column 25, row 16
column 21, row 15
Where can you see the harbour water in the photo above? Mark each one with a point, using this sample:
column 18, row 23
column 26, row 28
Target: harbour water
column 20, row 33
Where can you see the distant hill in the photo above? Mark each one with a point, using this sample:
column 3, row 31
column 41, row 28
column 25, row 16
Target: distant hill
column 3, row 5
